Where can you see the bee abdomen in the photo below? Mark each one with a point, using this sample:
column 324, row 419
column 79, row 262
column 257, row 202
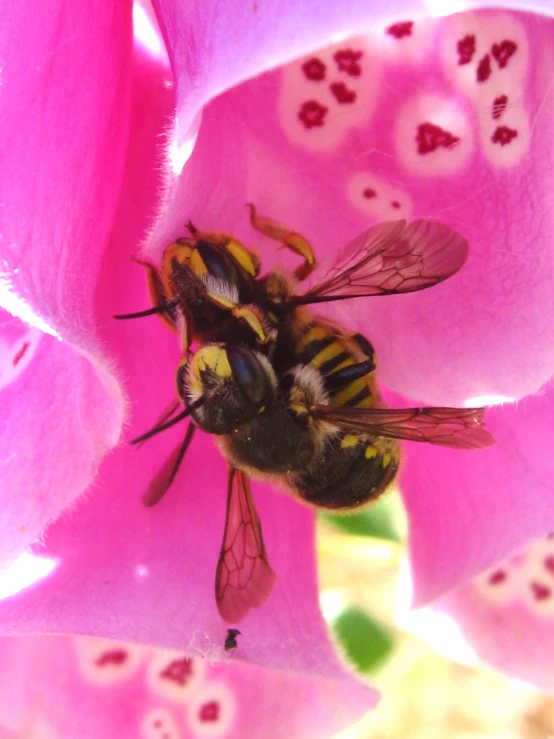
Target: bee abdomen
column 351, row 472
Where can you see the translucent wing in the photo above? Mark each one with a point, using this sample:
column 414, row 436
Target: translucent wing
column 244, row 578
column 162, row 480
column 391, row 258
column 459, row 428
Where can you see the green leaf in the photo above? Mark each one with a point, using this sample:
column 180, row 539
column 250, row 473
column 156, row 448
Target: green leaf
column 377, row 522
column 366, row 642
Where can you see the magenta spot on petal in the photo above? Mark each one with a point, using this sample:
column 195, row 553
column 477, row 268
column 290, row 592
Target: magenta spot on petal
column 466, row 49
column 549, row 563
column 503, row 135
column 314, row 69
column 342, row 93
column 430, row 137
column 540, row 592
column 369, row 192
column 497, row 577
column 209, row 711
column 113, row 657
column 503, row 51
column 21, row 353
column 399, row 30
column 484, row 69
column 348, row 61
column 178, row 671
column 395, row 204
column 157, row 724
column 312, row 113
column 499, row 106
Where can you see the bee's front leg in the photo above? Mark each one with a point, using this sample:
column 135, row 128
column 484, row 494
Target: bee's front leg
column 292, row 240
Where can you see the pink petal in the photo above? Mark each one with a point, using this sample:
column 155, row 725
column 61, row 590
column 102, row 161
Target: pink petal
column 49, row 456
column 403, row 123
column 115, row 568
column 65, row 84
column 507, row 613
column 469, row 510
column 118, row 690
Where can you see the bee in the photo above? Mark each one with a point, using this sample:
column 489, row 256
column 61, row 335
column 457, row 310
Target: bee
column 231, row 639
column 300, row 404
column 207, row 287
column 312, row 431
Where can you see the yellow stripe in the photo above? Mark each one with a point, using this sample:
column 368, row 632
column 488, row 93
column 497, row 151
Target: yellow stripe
column 314, row 334
column 386, row 459
column 347, row 363
column 242, row 256
column 370, row 452
column 197, row 264
column 333, row 350
column 349, row 392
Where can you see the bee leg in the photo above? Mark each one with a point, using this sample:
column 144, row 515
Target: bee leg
column 161, row 304
column 292, row 240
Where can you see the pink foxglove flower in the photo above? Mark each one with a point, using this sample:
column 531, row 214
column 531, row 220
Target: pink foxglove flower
column 445, row 118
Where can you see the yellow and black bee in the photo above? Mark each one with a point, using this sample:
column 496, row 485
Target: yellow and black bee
column 297, row 399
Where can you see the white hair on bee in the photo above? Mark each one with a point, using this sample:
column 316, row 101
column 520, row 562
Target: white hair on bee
column 222, row 289
column 310, row 381
column 268, row 369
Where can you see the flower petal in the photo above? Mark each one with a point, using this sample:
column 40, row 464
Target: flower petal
column 65, row 85
column 447, row 119
column 61, row 687
column 469, row 510
column 48, row 454
column 122, row 570
column 507, row 613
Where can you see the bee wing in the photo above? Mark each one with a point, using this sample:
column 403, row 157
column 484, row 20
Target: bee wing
column 161, row 482
column 459, row 428
column 244, row 578
column 391, row 258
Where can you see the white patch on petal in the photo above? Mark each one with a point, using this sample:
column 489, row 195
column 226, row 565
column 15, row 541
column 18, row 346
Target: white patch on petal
column 105, row 662
column 326, row 94
column 526, row 577
column 174, row 676
column 212, row 711
column 18, row 308
column 379, row 199
column 25, row 571
column 433, row 136
column 16, row 356
column 486, row 57
column 179, row 154
column 488, row 400
column 405, row 40
column 145, row 32
column 159, row 723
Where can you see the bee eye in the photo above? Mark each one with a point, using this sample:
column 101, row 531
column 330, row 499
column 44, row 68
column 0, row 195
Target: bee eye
column 250, row 375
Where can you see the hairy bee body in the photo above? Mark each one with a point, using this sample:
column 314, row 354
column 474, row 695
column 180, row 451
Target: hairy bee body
column 318, row 364
column 351, row 469
column 287, row 395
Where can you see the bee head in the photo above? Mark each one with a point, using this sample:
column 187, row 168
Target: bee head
column 235, row 383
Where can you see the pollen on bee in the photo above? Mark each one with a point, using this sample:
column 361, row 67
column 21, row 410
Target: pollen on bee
column 348, row 441
column 370, row 452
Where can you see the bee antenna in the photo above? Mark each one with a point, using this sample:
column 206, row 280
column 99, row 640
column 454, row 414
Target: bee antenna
column 192, row 228
column 168, row 424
